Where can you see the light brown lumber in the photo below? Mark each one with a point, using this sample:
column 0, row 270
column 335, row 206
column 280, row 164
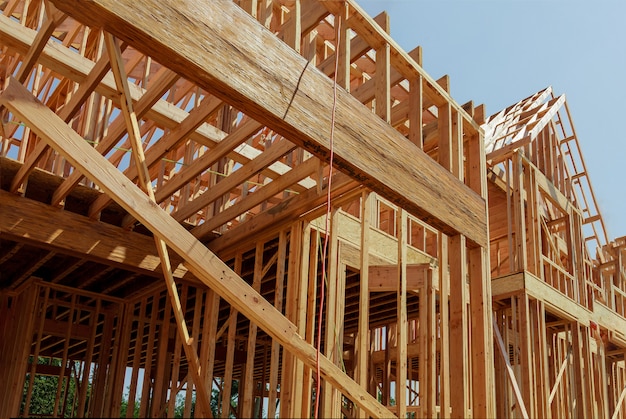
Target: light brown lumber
column 342, row 59
column 312, row 12
column 130, row 117
column 54, row 19
column 409, row 67
column 428, row 320
column 540, row 349
column 483, row 388
column 149, row 365
column 383, row 247
column 132, row 389
column 459, row 329
column 357, row 48
column 201, row 163
column 198, row 380
column 580, row 344
column 230, row 352
column 525, row 353
column 290, row 178
column 309, row 288
column 247, row 401
column 510, row 374
column 457, row 153
column 35, row 353
column 77, row 68
column 195, row 118
column 383, row 84
column 94, row 77
column 415, row 113
column 557, row 380
column 444, row 324
column 278, row 303
column 24, row 323
column 209, row 269
column 618, row 404
column 385, row 278
column 28, row 221
column 117, row 130
column 102, row 360
column 367, row 91
column 272, row 219
column 176, row 357
column 401, row 310
column 273, row 153
column 329, row 401
column 303, row 254
column 444, row 129
column 163, row 363
column 289, row 385
column 294, row 100
column 207, row 352
column 292, row 28
column 362, row 342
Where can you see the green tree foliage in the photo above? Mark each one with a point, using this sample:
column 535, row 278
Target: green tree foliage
column 44, row 393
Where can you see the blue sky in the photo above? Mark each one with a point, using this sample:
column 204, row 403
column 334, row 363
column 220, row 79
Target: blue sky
column 498, row 52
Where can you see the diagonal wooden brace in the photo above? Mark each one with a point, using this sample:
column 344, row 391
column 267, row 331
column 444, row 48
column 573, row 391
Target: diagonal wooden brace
column 212, row 271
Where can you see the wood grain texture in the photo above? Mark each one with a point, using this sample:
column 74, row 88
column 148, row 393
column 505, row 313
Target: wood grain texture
column 208, row 268
column 222, row 49
column 26, row 220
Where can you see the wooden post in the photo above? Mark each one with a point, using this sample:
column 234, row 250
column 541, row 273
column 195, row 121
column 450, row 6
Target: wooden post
column 293, row 29
column 362, row 345
column 230, row 352
column 402, row 323
column 528, row 371
column 248, row 391
column 342, row 48
column 132, row 390
column 330, row 406
column 428, row 347
column 581, row 377
column 459, row 328
column 415, row 105
column 278, row 303
column 312, row 238
column 483, row 390
column 444, row 128
column 207, row 353
column 383, row 85
column 540, row 350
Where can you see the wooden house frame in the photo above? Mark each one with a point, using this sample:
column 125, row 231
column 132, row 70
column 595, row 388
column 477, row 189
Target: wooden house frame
column 557, row 292
column 259, row 207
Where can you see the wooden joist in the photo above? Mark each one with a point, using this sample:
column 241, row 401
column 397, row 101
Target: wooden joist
column 26, row 220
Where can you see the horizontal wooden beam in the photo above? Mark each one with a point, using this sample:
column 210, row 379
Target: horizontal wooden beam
column 385, row 277
column 381, row 244
column 213, row 272
column 26, row 220
column 212, row 44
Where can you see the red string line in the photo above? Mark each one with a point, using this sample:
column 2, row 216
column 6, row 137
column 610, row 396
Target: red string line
column 327, row 225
